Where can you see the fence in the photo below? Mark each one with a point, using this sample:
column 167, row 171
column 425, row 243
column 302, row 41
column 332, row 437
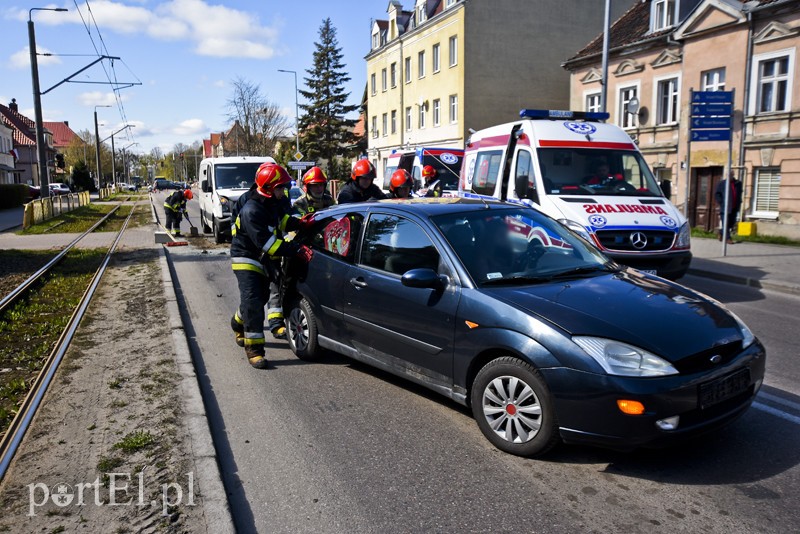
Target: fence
column 43, row 209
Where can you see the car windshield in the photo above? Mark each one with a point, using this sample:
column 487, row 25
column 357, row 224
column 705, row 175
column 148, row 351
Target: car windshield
column 236, row 175
column 518, row 246
column 591, row 171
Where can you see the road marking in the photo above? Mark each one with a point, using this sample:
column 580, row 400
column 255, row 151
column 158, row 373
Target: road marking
column 777, row 413
column 778, row 400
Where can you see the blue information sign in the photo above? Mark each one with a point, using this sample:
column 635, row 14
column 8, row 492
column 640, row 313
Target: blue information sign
column 705, row 110
column 711, row 122
column 709, row 97
column 711, row 135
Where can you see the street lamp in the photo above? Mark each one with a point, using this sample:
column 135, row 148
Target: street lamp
column 125, row 168
column 113, row 154
column 97, row 143
column 41, row 152
column 296, row 118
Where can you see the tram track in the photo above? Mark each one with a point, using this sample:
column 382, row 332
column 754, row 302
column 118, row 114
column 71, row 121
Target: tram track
column 13, row 433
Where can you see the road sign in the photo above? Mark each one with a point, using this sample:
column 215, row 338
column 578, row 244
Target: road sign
column 301, row 164
column 298, row 156
column 712, row 97
column 704, row 110
column 711, row 135
column 711, row 122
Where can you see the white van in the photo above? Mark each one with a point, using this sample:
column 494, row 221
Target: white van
column 587, row 174
column 446, row 161
column 222, row 182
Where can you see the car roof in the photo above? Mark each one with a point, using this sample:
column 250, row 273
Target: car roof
column 429, row 206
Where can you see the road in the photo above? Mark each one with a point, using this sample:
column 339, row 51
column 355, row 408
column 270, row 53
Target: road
column 338, row 447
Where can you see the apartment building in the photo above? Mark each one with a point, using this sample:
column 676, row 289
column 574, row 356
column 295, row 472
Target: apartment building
column 661, row 50
column 443, row 67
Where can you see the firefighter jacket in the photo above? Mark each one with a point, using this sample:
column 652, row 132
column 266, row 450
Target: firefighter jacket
column 352, row 193
column 258, row 234
column 176, row 202
column 308, row 204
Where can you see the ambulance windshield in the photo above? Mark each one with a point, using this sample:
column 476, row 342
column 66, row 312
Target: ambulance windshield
column 584, row 171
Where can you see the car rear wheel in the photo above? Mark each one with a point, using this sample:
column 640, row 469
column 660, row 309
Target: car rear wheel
column 301, row 331
column 513, row 407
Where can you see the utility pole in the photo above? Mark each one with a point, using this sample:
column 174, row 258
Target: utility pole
column 296, row 119
column 604, row 81
column 97, row 145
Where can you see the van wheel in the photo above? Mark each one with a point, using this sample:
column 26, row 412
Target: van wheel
column 218, row 237
column 206, row 227
column 301, row 331
column 513, row 407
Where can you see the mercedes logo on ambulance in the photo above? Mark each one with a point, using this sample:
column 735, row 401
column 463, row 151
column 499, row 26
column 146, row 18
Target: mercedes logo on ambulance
column 638, row 240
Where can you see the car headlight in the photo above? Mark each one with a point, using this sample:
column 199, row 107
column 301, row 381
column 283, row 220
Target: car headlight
column 684, row 237
column 621, row 359
column 225, row 204
column 577, row 228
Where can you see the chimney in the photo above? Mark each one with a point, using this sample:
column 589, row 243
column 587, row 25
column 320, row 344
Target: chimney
column 13, row 105
column 66, row 123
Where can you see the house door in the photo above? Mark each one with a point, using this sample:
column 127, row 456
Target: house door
column 703, row 212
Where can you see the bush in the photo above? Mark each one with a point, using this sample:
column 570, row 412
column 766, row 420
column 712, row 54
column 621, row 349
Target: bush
column 13, row 195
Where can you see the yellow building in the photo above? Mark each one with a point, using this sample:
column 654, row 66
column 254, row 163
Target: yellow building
column 444, row 67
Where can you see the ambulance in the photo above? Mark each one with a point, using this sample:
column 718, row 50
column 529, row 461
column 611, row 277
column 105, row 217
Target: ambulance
column 446, row 161
column 587, row 174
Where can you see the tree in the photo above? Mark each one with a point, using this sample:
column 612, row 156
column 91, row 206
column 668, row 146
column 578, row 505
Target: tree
column 257, row 121
column 325, row 130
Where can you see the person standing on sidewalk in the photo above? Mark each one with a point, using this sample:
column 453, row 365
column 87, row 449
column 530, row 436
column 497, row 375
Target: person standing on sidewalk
column 175, row 209
column 734, row 187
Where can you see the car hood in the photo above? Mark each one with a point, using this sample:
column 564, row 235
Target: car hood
column 660, row 316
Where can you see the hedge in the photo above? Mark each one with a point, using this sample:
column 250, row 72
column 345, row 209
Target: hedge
column 13, row 195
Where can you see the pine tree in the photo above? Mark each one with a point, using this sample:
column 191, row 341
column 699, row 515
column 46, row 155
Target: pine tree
column 325, row 130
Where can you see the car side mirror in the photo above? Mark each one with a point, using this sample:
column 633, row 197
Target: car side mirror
column 521, row 186
column 422, row 278
column 204, row 186
column 666, row 188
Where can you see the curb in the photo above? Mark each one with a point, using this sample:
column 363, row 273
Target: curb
column 774, row 285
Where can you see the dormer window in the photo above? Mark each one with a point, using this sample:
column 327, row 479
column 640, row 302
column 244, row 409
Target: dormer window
column 663, row 15
column 383, row 37
column 421, row 14
column 375, row 41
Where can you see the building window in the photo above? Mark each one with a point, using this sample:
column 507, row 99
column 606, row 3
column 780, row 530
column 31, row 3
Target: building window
column 421, row 13
column 375, row 40
column 437, row 112
column 626, row 94
column 773, row 84
column 765, row 194
column 408, row 70
column 667, row 106
column 713, row 80
column 394, row 121
column 383, row 80
column 385, row 124
column 373, row 84
column 663, row 14
column 393, row 74
column 408, row 119
column 374, row 126
column 453, row 46
column 421, row 66
column 593, row 102
column 449, row 3
column 422, row 116
column 436, row 56
column 453, row 109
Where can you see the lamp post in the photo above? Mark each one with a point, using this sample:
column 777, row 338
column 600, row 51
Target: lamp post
column 125, row 167
column 113, row 155
column 296, row 118
column 41, row 150
column 97, row 144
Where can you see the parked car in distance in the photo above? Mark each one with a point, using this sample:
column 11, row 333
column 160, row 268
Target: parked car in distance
column 59, row 189
column 505, row 310
column 34, row 192
column 160, row 184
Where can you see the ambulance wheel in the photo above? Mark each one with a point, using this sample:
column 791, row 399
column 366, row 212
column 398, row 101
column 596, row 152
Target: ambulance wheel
column 301, row 331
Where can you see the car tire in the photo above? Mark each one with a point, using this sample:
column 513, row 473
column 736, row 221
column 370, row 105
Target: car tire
column 218, row 237
column 513, row 407
column 301, row 331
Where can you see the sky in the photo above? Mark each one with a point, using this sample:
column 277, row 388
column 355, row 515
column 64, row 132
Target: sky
column 181, row 55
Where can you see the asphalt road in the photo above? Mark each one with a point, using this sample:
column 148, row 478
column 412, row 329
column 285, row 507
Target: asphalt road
column 338, row 447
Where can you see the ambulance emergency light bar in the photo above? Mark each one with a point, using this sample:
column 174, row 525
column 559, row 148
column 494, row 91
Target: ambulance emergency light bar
column 563, row 114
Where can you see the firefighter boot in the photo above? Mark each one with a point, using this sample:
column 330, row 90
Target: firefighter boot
column 256, row 357
column 279, row 332
column 238, row 330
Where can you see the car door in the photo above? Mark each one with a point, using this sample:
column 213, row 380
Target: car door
column 409, row 330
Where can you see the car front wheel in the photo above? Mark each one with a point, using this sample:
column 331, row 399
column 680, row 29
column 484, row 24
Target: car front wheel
column 301, row 331
column 513, row 407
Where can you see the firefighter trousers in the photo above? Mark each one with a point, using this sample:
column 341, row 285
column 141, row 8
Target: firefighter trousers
column 255, row 292
column 173, row 220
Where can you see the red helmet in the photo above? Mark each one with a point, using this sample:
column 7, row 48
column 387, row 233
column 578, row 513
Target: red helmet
column 428, row 171
column 400, row 178
column 269, row 176
column 363, row 168
column 188, row 194
column 314, row 176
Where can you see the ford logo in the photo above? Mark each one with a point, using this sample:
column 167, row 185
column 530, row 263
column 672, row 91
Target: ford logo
column 638, row 240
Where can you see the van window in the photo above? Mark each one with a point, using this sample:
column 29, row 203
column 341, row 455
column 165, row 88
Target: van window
column 447, row 169
column 581, row 171
column 486, row 172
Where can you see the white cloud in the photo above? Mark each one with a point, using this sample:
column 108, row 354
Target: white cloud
column 220, row 83
column 190, row 127
column 22, row 58
column 100, row 98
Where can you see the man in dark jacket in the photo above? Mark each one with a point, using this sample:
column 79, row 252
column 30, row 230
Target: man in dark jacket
column 734, row 187
column 257, row 244
column 175, row 209
column 360, row 188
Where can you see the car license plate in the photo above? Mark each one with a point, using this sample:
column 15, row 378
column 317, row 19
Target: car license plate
column 649, row 271
column 724, row 388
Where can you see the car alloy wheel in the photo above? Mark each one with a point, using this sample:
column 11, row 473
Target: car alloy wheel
column 301, row 331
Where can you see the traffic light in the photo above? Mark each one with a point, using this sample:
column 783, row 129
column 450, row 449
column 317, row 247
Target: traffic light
column 60, row 163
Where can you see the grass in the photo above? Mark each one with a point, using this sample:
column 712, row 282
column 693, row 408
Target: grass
column 81, row 219
column 135, row 441
column 108, row 463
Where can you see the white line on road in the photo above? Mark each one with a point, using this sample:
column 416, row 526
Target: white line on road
column 777, row 413
column 778, row 400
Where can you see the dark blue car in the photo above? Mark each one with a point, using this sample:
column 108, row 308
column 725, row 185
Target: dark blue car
column 503, row 309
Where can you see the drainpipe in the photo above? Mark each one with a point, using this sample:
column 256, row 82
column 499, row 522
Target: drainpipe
column 747, row 75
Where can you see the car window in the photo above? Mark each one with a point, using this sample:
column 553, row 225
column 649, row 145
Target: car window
column 338, row 236
column 395, row 244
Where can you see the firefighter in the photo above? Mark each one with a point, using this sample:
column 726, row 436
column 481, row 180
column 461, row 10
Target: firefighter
column 401, row 184
column 433, row 186
column 316, row 196
column 360, row 188
column 175, row 209
column 257, row 244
